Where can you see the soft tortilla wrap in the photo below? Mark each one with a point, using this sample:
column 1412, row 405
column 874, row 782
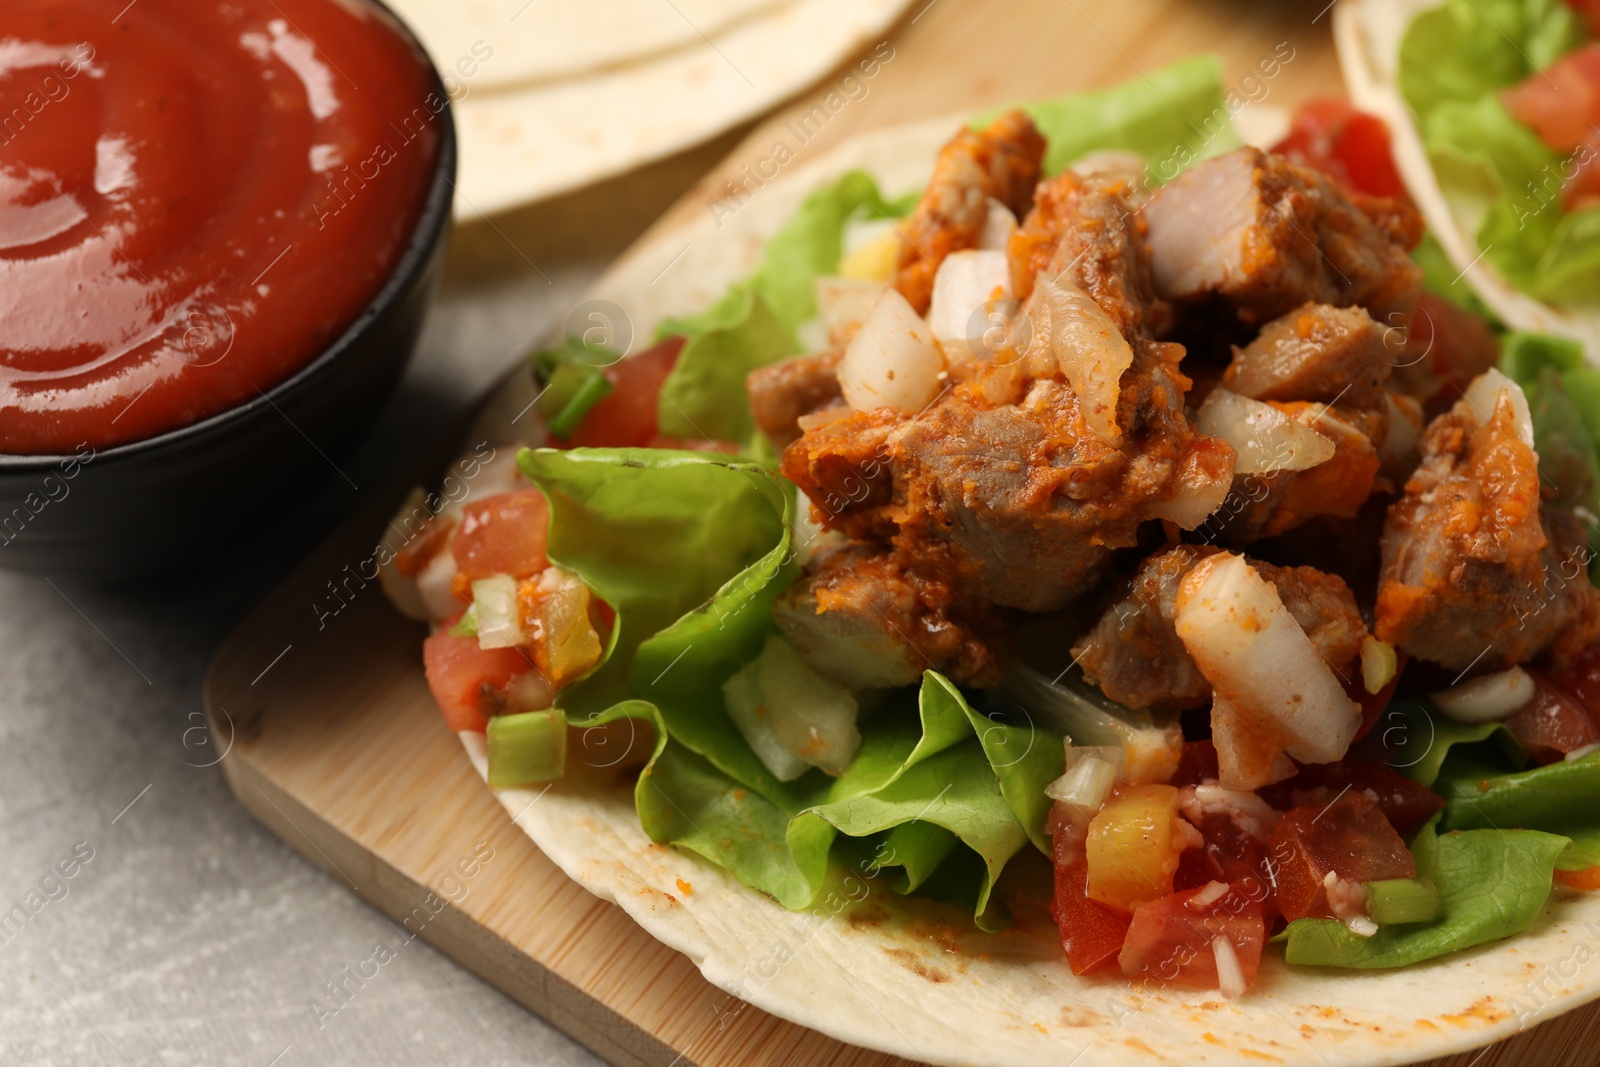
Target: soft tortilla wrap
column 878, row 972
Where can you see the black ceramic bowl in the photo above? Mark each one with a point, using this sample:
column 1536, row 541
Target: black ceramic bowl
column 169, row 500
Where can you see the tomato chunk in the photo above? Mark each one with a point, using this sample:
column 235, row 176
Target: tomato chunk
column 1348, row 145
column 1406, row 804
column 1562, row 101
column 628, row 416
column 1196, row 763
column 1349, row 839
column 1091, row 933
column 502, row 534
column 1590, row 10
column 1171, row 941
column 469, row 683
column 1448, row 347
column 1588, row 878
column 1552, row 724
column 1229, row 854
column 1581, row 680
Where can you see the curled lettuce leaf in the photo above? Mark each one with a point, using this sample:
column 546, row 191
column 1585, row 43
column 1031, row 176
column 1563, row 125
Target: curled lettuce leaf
column 691, row 551
column 1492, row 884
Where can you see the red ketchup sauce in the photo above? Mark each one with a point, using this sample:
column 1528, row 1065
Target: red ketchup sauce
column 196, row 198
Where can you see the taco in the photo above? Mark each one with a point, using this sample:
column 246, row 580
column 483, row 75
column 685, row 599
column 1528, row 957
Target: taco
column 1029, row 603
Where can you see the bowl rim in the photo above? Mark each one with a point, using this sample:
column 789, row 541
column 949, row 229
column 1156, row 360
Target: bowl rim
column 432, row 222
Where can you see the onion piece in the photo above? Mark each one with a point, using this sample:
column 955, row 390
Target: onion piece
column 966, row 284
column 1266, row 438
column 1085, row 786
column 1087, row 346
column 1488, row 699
column 499, row 612
column 741, row 695
column 1483, row 396
column 998, row 226
column 843, row 304
column 1379, row 664
column 892, row 361
column 1230, row 975
column 1273, row 686
column 1147, row 751
column 1244, row 809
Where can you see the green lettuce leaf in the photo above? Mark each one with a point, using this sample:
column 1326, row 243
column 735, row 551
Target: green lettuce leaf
column 1503, row 183
column 1492, row 884
column 1175, row 116
column 1558, row 798
column 1428, row 746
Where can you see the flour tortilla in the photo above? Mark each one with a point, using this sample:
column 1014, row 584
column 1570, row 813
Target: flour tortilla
column 1368, row 35
column 1001, row 1000
column 539, row 40
column 525, row 144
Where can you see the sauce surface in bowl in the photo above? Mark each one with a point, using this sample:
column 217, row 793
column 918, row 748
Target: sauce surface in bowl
column 196, row 198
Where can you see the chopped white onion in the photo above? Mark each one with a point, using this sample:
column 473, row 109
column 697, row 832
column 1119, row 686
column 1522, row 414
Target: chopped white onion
column 843, row 304
column 1085, row 786
column 741, row 695
column 812, row 717
column 1208, row 895
column 998, row 226
column 1244, row 809
column 499, row 612
column 1582, row 753
column 1483, row 396
column 1488, row 699
column 967, row 282
column 1266, row 438
column 1361, row 926
column 1379, row 664
column 1267, row 674
column 1144, row 750
column 812, row 335
column 892, row 361
column 436, row 586
column 1087, row 346
column 1230, row 975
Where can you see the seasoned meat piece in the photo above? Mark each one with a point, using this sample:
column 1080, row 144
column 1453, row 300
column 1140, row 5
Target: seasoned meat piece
column 1476, row 571
column 999, row 162
column 861, row 621
column 842, row 463
column 1316, row 352
column 1014, row 493
column 780, row 393
column 1266, row 236
column 1136, row 658
column 1266, row 505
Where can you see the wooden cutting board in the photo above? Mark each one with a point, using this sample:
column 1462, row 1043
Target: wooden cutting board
column 333, row 741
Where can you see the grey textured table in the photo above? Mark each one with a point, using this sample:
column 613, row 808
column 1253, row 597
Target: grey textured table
column 188, row 934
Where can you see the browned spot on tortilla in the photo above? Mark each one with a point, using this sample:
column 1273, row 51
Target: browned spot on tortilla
column 912, row 962
column 1325, row 1012
column 684, row 887
column 1041, row 1028
column 1211, row 1038
column 1252, row 1054
column 1427, row 1024
column 1483, row 1010
column 1080, row 1017
column 1135, row 1043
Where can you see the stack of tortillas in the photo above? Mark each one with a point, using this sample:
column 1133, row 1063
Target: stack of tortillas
column 551, row 95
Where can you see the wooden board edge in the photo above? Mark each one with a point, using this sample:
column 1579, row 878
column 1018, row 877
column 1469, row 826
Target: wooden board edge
column 611, row 1036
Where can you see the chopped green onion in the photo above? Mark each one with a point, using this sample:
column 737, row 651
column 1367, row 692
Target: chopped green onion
column 467, row 625
column 530, row 747
column 1396, row 901
column 593, row 389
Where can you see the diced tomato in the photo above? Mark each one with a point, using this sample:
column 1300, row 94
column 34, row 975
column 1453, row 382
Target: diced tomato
column 502, row 534
column 1552, row 724
column 469, row 682
column 1349, row 838
column 1373, row 705
column 1581, row 187
column 1170, row 941
column 1447, row 347
column 1582, row 680
column 1348, row 145
column 1588, row 878
column 628, row 415
column 1229, row 854
column 1196, row 763
column 1091, row 933
column 727, row 448
column 423, row 546
column 1562, row 101
column 1406, row 804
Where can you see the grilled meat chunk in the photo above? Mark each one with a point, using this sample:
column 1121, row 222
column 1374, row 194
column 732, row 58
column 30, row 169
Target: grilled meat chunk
column 1136, row 658
column 780, row 393
column 1476, row 570
column 999, row 162
column 1265, row 236
column 1316, row 352
column 1003, row 486
column 859, row 619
